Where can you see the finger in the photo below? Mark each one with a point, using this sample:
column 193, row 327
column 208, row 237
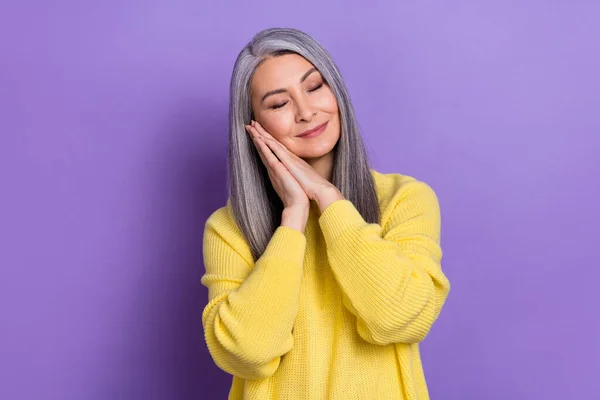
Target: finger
column 255, row 139
column 275, row 169
column 280, row 151
column 273, row 143
column 252, row 131
column 262, row 130
column 259, row 150
column 284, row 156
column 294, row 165
column 268, row 157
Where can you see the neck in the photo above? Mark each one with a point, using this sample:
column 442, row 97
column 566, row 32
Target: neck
column 323, row 165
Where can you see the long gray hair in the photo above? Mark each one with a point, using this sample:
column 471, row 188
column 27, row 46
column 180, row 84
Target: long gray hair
column 255, row 205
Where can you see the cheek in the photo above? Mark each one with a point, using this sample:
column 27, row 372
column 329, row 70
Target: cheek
column 329, row 103
column 278, row 124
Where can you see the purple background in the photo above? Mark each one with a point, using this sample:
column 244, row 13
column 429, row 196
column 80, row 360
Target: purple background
column 113, row 154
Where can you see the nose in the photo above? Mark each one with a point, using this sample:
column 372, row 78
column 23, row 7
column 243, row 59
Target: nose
column 304, row 111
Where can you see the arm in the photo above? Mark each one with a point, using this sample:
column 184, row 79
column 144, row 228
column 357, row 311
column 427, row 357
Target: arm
column 390, row 276
column 251, row 310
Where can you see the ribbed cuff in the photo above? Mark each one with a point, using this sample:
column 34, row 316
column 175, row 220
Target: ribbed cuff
column 339, row 217
column 287, row 244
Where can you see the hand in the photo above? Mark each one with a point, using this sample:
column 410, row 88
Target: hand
column 289, row 190
column 314, row 185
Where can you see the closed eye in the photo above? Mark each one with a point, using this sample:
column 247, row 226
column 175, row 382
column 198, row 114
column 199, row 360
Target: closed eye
column 276, row 106
column 316, row 88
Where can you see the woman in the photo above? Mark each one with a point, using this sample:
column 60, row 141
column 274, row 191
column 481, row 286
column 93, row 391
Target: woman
column 323, row 274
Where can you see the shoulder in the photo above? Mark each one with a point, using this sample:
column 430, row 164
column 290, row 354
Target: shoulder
column 221, row 218
column 403, row 193
column 221, row 224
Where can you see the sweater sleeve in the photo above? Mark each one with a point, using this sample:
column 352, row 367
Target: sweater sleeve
column 251, row 308
column 391, row 277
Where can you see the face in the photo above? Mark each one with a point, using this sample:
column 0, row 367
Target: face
column 289, row 97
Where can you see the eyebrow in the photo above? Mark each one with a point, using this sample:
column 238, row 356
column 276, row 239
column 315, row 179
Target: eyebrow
column 276, row 91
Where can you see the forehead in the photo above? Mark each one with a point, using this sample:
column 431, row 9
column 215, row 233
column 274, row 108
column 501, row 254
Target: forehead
column 279, row 72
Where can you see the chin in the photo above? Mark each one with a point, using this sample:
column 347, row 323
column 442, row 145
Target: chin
column 307, row 157
column 314, row 152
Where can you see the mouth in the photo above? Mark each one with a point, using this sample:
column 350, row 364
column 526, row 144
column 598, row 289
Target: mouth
column 316, row 131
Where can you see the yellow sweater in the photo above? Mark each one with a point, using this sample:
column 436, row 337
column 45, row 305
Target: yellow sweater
column 334, row 313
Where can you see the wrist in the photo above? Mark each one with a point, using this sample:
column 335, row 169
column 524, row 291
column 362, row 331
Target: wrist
column 328, row 196
column 295, row 217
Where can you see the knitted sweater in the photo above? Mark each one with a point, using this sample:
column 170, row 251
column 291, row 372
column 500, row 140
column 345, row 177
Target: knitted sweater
column 336, row 312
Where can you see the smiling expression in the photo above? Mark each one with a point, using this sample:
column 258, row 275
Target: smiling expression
column 289, row 97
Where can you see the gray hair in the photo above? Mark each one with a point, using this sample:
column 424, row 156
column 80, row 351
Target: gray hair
column 255, row 205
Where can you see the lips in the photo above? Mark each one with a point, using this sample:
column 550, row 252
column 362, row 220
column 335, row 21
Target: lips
column 315, row 129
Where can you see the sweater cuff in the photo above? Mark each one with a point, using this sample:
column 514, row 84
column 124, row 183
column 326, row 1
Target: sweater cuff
column 287, row 244
column 339, row 217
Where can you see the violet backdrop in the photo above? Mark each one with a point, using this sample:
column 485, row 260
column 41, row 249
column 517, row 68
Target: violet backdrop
column 113, row 124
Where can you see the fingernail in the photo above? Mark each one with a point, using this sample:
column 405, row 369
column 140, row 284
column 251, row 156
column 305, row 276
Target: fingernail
column 252, row 123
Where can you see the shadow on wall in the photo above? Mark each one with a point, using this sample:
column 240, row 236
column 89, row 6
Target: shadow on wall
column 185, row 173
